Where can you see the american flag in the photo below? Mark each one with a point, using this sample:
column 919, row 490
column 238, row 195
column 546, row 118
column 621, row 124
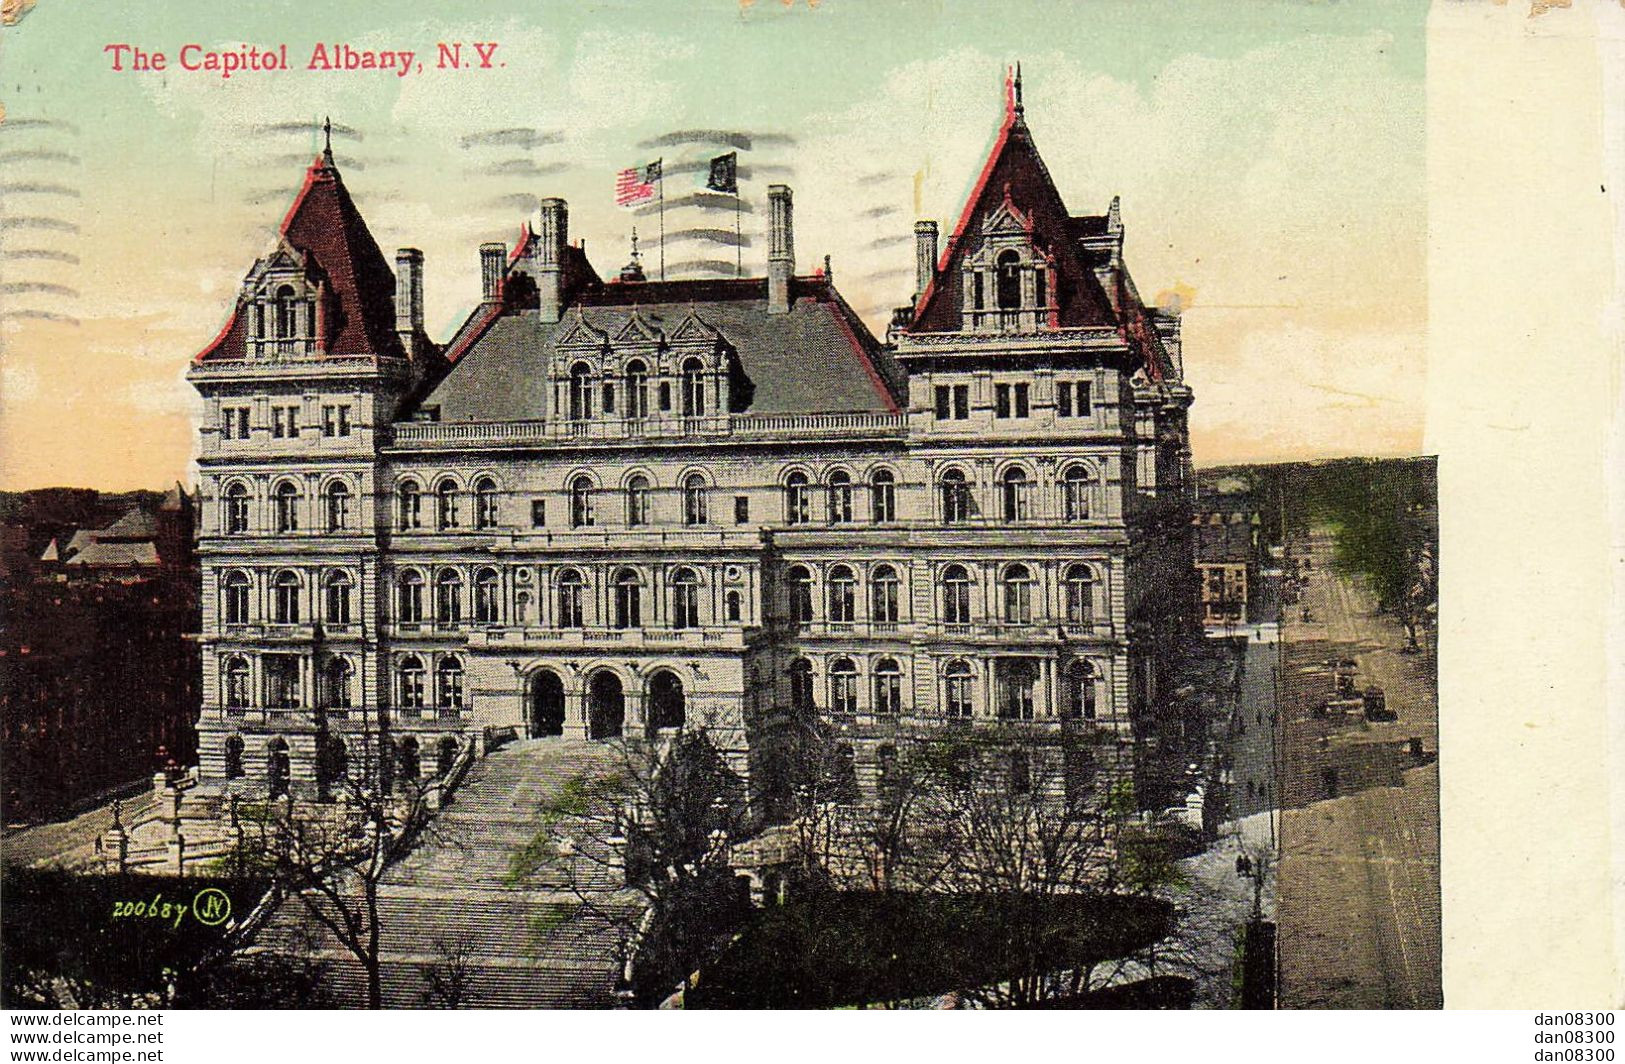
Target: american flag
column 637, row 184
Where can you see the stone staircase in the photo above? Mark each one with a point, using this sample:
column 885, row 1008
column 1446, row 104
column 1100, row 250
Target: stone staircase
column 452, row 888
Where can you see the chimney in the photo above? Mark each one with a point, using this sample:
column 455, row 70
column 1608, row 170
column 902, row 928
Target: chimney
column 925, row 255
column 551, row 238
column 781, row 249
column 408, row 292
column 493, row 256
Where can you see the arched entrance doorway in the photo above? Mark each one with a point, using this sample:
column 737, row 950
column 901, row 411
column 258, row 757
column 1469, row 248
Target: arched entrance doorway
column 666, row 702
column 546, row 704
column 606, row 705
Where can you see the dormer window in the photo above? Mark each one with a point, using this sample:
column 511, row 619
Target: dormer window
column 1009, row 280
column 580, row 392
column 286, row 315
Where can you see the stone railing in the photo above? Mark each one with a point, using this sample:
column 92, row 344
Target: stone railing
column 456, row 434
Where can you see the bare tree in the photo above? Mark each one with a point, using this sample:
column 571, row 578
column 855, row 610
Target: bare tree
column 446, row 981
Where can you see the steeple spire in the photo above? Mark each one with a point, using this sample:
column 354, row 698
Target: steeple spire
column 1012, row 91
column 633, row 270
column 327, row 142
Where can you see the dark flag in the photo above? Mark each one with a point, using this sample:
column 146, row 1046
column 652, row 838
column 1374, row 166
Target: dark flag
column 724, row 174
column 651, row 172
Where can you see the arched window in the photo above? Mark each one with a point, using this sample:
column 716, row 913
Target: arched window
column 637, row 500
column 337, row 682
column 409, row 597
column 234, row 757
column 485, row 503
column 487, row 597
column 285, row 506
column 445, row 508
column 733, row 605
column 801, row 685
column 1018, row 595
column 958, row 685
column 888, row 684
column 409, row 504
column 883, row 497
column 236, row 683
column 798, row 581
column 1076, row 488
column 521, row 607
column 287, row 326
column 685, row 598
column 448, row 684
column 580, row 392
column 336, row 592
column 883, row 587
column 581, row 502
column 956, row 499
column 1080, row 595
column 570, row 584
column 411, row 682
column 955, row 595
column 628, row 599
column 234, row 516
column 338, row 506
column 285, row 597
column 1009, row 281
column 235, row 590
column 637, row 390
column 1014, row 490
column 694, row 499
column 693, row 388
column 1016, row 680
column 448, row 597
column 797, row 500
column 843, row 686
column 841, row 595
column 1081, row 677
column 840, row 497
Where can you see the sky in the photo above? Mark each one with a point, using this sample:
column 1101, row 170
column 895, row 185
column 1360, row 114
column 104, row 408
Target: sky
column 1269, row 157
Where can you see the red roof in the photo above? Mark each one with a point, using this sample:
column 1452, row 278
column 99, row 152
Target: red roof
column 324, row 224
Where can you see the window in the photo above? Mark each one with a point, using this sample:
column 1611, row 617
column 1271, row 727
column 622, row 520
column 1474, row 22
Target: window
column 581, row 502
column 665, row 396
column 448, row 597
column 883, row 585
column 234, row 510
column 685, row 599
column 445, row 504
column 487, row 589
column 694, row 499
column 958, row 688
column 956, row 498
column 1080, row 682
column 1014, row 492
column 281, row 681
column 485, row 503
column 978, row 291
column 840, row 498
column 411, row 680
column 843, row 686
column 888, row 685
column 1041, row 288
column 409, row 757
column 955, row 595
column 286, row 315
column 1010, row 400
column 637, row 500
column 1016, row 679
column 285, row 422
column 336, row 593
column 335, row 421
column 1009, row 280
column 797, row 501
column 448, row 684
column 285, row 506
column 693, row 388
column 1018, row 595
column 285, row 597
column 953, row 402
column 570, row 584
column 637, row 390
column 608, row 405
column 883, row 497
column 580, row 392
column 733, row 605
column 234, row 422
column 1080, row 595
column 538, row 513
column 409, row 504
column 1001, row 400
column 842, row 595
column 1063, row 398
column 801, row 685
column 628, row 600
column 236, row 695
column 1072, row 399
column 235, row 592
column 521, row 607
column 741, row 509
column 409, row 597
column 338, row 506
column 337, row 683
column 1021, row 396
column 1076, row 488
column 234, row 757
column 799, row 584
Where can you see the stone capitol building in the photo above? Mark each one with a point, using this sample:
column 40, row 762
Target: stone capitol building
column 613, row 506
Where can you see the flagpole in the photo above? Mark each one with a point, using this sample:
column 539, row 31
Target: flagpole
column 662, row 192
column 739, row 241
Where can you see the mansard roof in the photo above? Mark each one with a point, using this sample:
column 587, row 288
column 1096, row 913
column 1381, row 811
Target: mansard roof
column 818, row 358
column 325, row 227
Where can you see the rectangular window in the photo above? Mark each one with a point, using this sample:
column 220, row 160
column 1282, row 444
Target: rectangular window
column 609, row 399
column 1021, row 400
column 1063, row 399
column 978, row 293
column 944, row 402
column 330, row 421
column 293, row 422
column 665, row 395
column 1041, row 288
column 344, row 421
column 242, row 422
column 279, row 425
column 1001, row 400
column 1083, row 398
column 538, row 513
column 961, row 402
column 741, row 509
